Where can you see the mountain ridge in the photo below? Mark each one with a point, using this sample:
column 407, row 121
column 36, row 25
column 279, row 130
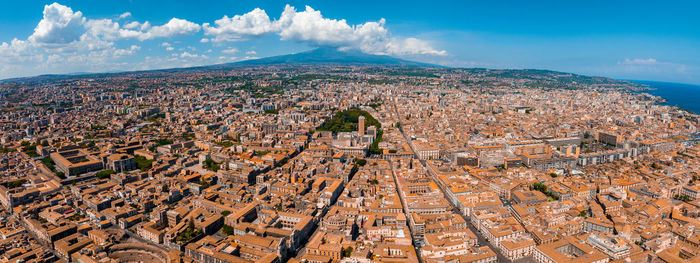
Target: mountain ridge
column 329, row 55
column 318, row 56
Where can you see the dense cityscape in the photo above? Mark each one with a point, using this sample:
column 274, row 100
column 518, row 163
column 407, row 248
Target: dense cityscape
column 345, row 163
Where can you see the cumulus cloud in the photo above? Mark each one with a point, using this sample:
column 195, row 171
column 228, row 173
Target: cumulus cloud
column 253, row 23
column 60, row 25
column 109, row 30
column 125, row 52
column 65, row 37
column 167, row 46
column 186, row 55
column 174, row 27
column 137, row 26
column 17, row 51
column 66, row 40
column 410, row 46
column 230, row 51
column 310, row 26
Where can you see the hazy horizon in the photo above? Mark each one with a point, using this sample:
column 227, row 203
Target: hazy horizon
column 622, row 40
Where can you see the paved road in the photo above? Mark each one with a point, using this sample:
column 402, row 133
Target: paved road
column 481, row 239
column 404, row 207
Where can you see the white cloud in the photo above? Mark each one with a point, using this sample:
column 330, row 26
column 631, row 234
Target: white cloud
column 647, row 69
column 132, row 25
column 16, row 52
column 650, row 65
column 412, row 46
column 109, row 30
column 253, row 23
column 65, row 40
column 371, row 37
column 60, row 25
column 639, row 61
column 309, row 26
column 192, row 55
column 174, row 27
column 225, row 59
column 145, row 26
column 125, row 52
column 232, row 50
column 167, row 46
column 188, row 55
column 135, row 25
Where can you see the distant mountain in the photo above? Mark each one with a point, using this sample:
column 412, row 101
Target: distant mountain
column 329, row 55
column 326, row 55
column 322, row 55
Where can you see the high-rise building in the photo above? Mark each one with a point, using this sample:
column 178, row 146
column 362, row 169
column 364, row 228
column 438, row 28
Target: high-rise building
column 361, row 126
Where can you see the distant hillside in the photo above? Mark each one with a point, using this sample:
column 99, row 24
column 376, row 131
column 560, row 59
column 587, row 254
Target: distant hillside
column 322, row 55
column 395, row 66
column 327, row 55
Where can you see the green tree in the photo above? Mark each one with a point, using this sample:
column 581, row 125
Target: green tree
column 210, row 165
column 226, row 229
column 105, row 174
column 347, row 252
column 143, row 163
column 16, row 183
column 347, row 121
column 6, row 150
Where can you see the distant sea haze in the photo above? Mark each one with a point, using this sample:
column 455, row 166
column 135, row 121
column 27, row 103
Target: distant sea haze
column 686, row 96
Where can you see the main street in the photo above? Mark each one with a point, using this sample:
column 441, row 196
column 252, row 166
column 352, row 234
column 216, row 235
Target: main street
column 480, row 237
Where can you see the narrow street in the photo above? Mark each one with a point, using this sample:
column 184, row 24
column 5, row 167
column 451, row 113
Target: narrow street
column 404, row 208
column 481, row 239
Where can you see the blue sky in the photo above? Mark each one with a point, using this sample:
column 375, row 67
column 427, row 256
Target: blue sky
column 649, row 40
